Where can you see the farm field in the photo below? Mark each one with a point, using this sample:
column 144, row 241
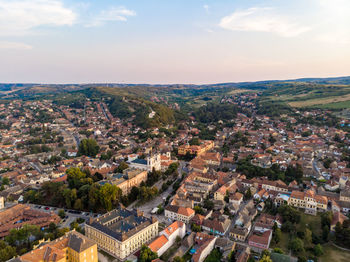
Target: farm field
column 320, row 101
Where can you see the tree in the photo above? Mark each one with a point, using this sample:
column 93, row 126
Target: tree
column 265, row 253
column 296, row 245
column 277, row 235
column 5, row 181
column 122, row 166
column 109, row 195
column 325, row 233
column 318, row 250
column 278, row 250
column 196, row 228
column 75, row 177
column 214, row 256
column 178, row 240
column 88, row 147
column 178, row 259
column 248, row 194
column 61, row 213
column 265, row 259
column 198, row 210
column 308, row 237
column 232, row 256
column 78, row 205
column 146, row 254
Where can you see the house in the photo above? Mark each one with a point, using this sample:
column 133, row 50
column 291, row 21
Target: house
column 217, row 226
column 239, row 233
column 265, row 222
column 183, row 214
column 344, row 195
column 236, row 198
column 221, row 193
column 261, row 195
column 204, row 244
column 258, row 241
column 167, row 237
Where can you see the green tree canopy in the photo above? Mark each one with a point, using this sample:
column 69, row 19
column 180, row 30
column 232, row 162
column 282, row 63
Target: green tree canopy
column 88, row 147
column 146, row 254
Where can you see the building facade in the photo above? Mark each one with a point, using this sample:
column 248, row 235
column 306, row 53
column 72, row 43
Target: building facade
column 122, row 232
column 168, row 237
column 131, row 177
column 183, row 214
column 72, row 247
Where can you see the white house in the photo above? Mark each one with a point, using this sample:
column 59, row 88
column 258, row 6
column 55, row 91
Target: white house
column 167, row 237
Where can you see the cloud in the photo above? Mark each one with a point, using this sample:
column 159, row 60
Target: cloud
column 18, row 17
column 206, row 7
column 262, row 20
column 111, row 15
column 14, row 45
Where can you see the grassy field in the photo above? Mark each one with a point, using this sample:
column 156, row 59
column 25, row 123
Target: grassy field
column 239, row 91
column 336, row 105
column 320, row 101
column 334, row 254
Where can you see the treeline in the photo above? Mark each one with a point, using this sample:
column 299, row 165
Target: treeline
column 273, row 108
column 81, row 193
column 213, row 112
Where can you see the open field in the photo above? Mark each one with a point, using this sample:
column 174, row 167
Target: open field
column 334, row 254
column 336, row 105
column 320, row 101
column 239, row 91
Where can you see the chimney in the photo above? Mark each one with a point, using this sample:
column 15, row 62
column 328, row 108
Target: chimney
column 153, row 219
column 139, row 213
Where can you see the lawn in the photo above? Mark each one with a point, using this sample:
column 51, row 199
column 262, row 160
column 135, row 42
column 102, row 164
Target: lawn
column 313, row 222
column 283, row 244
column 334, row 254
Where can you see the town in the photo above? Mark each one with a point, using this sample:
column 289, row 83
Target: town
column 79, row 184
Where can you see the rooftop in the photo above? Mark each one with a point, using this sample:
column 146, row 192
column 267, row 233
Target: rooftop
column 121, row 223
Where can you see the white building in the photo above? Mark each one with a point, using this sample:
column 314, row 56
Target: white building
column 167, row 237
column 150, row 163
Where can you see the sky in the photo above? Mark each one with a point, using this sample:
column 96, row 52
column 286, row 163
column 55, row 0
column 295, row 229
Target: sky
column 172, row 41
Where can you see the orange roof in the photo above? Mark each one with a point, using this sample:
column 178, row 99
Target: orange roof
column 186, row 211
column 158, row 243
column 61, row 179
column 173, row 227
column 297, row 194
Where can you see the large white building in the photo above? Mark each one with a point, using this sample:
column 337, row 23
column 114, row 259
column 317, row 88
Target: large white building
column 167, row 237
column 149, row 163
column 121, row 232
